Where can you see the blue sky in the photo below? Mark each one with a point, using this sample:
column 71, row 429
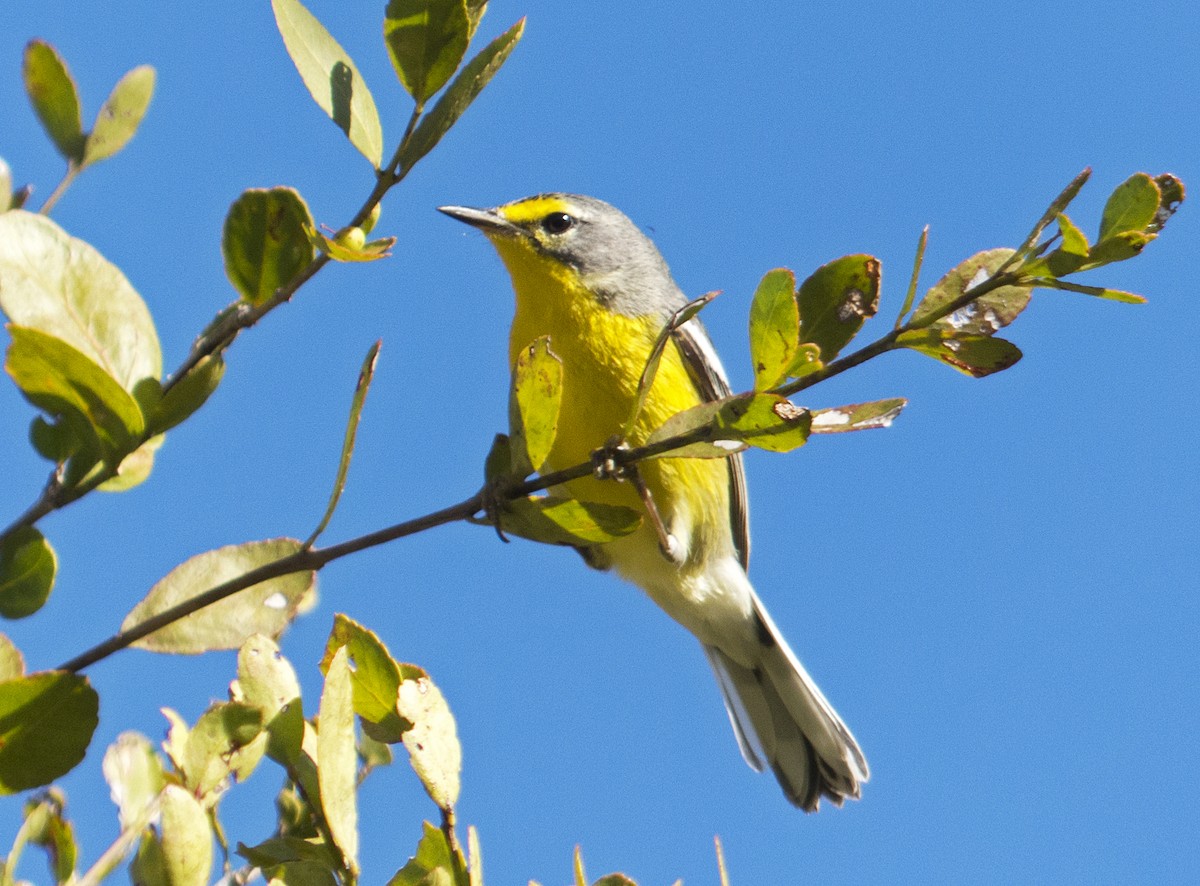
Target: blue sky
column 997, row 593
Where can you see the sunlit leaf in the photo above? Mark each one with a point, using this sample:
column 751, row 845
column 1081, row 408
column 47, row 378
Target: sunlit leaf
column 857, row 416
column 836, row 300
column 457, row 98
column 774, row 328
column 533, row 405
column 375, row 676
column 1120, row 246
column 134, row 468
column 55, row 99
column 433, row 865
column 1097, row 291
column 986, row 314
column 12, row 663
column 120, row 115
column 1132, row 206
column 72, row 388
column 216, row 745
column 46, row 723
column 426, row 40
column 766, row 421
column 47, row 826
column 63, row 287
column 666, row 336
column 566, row 521
column 265, row 241
column 331, row 77
column 266, row 608
column 27, row 570
column 134, row 773
column 703, row 415
column 1069, row 257
column 972, row 353
column 432, row 741
column 188, row 394
column 340, row 248
column 365, row 374
column 186, row 838
column 337, row 758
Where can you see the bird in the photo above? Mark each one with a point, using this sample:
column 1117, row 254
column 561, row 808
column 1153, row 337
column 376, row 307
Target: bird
column 585, row 276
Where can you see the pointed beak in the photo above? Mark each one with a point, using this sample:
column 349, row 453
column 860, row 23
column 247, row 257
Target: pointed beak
column 487, row 220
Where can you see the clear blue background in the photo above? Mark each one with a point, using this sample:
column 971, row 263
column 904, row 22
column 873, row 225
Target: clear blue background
column 998, row 593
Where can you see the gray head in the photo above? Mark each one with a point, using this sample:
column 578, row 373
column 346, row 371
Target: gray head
column 615, row 260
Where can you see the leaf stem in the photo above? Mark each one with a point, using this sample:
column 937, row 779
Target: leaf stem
column 61, row 188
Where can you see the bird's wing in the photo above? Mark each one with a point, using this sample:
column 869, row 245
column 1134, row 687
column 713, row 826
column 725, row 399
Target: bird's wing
column 704, row 366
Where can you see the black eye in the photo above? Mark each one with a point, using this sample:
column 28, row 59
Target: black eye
column 558, row 223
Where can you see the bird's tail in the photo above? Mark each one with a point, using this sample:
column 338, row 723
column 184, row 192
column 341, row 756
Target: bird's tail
column 783, row 720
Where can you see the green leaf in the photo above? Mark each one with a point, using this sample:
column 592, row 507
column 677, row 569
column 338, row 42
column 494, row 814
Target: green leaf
column 1098, row 291
column 120, row 115
column 534, row 401
column 1056, row 207
column 331, row 77
column 376, row 678
column 337, row 759
column 265, row 678
column 149, row 867
column 986, row 314
column 135, row 777
column 650, row 370
column 974, row 354
column 188, row 394
column 71, row 388
column 55, row 99
column 365, row 374
column 339, row 248
column 426, row 40
column 265, row 241
column 1131, row 207
column 765, row 421
column 1117, row 247
column 12, row 664
column 614, row 880
column 47, row 827
column 914, row 278
column 836, row 300
column 46, row 724
column 134, row 468
column 217, row 743
column 690, row 420
column 433, row 865
column 774, row 328
column 266, row 608
column 564, row 521
column 499, row 461
column 1069, row 257
column 857, row 416
column 27, row 570
column 454, row 101
column 432, row 742
column 63, row 287
column 186, row 838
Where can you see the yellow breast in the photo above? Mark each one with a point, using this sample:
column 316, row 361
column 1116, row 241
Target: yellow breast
column 603, row 355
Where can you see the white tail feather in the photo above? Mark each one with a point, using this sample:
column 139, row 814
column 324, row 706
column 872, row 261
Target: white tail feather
column 782, row 719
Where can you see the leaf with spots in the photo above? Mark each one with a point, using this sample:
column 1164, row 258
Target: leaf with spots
column 836, row 300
